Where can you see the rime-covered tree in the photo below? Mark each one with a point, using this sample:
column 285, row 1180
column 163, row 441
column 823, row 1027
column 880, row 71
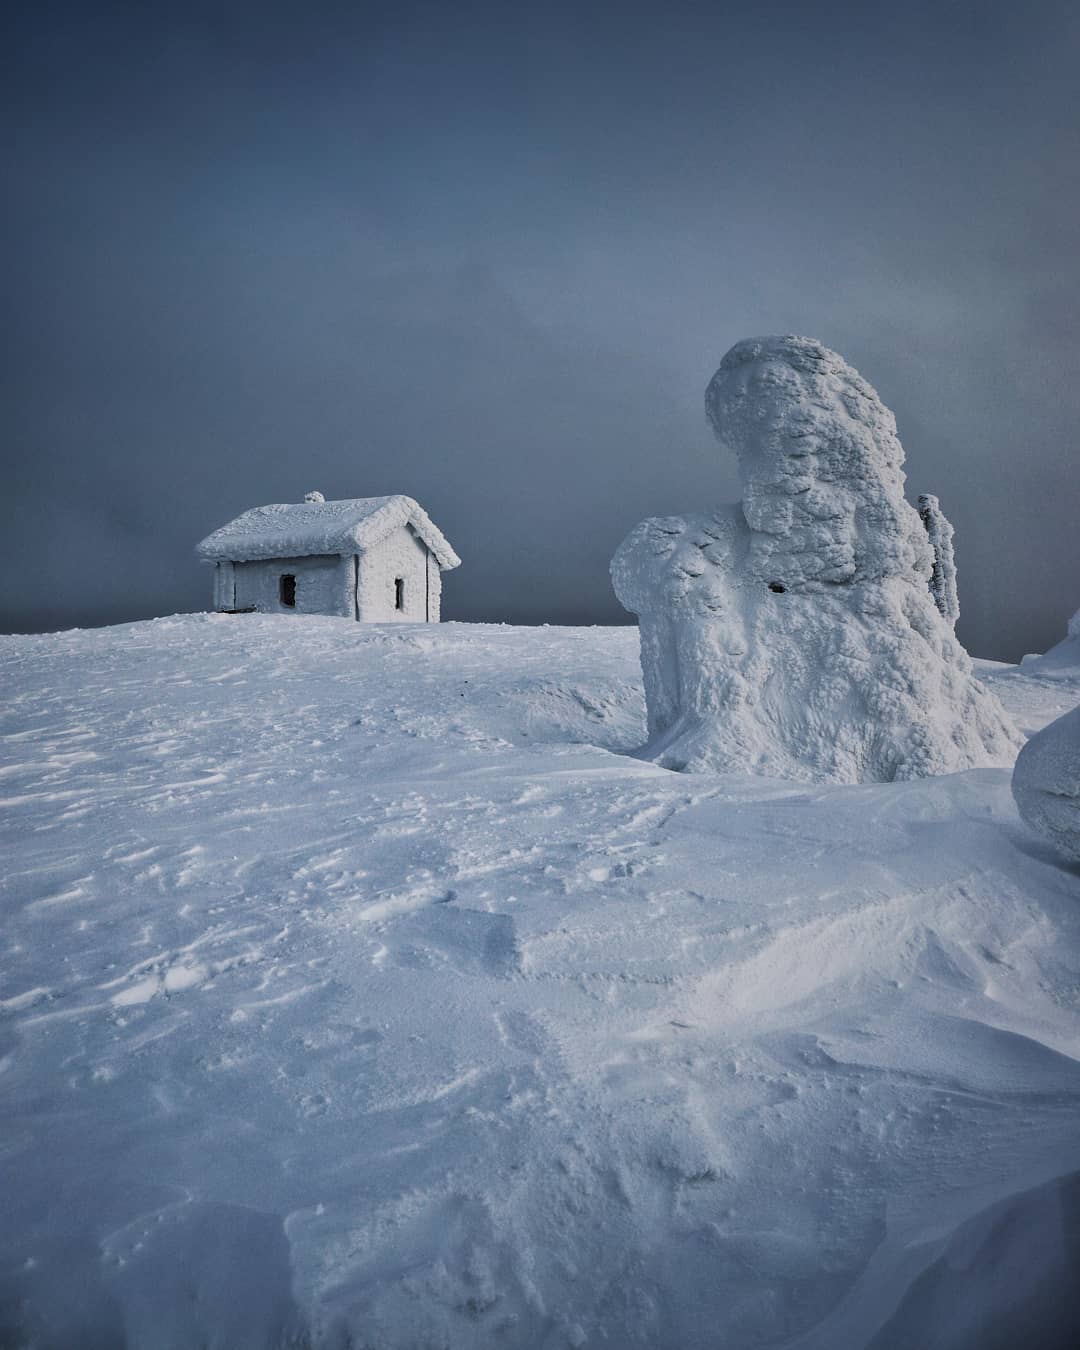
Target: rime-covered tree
column 794, row 633
column 939, row 531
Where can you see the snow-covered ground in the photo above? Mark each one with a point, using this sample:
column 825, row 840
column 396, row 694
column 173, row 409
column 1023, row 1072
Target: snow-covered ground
column 360, row 990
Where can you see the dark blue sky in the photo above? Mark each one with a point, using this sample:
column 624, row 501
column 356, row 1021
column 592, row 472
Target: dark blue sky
column 489, row 255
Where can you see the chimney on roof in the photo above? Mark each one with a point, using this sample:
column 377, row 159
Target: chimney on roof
column 314, row 497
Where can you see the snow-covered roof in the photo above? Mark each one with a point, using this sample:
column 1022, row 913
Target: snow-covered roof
column 303, row 529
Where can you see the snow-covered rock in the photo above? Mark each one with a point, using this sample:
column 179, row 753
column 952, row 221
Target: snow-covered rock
column 1046, row 784
column 939, row 531
column 794, row 634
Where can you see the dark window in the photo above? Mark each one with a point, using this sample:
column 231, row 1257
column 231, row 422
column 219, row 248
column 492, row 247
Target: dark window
column 287, row 590
column 399, row 592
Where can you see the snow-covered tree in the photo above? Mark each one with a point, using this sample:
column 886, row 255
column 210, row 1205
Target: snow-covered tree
column 939, row 531
column 794, row 633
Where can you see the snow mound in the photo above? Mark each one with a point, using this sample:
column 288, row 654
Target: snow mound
column 795, row 634
column 1046, row 784
column 1061, row 661
column 1006, row 1278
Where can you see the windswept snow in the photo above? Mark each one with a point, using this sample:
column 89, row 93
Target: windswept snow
column 794, row 633
column 351, row 999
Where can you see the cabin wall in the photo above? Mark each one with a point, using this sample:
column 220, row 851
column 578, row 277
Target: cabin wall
column 324, row 585
column 401, row 554
column 434, row 588
column 223, row 586
column 362, row 587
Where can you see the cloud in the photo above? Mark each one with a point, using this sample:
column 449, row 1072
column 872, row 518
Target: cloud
column 492, row 259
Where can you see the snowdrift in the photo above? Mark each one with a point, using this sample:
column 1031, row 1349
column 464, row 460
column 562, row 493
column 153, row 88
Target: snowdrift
column 1061, row 661
column 359, row 989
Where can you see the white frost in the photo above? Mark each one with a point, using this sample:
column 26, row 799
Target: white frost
column 794, row 634
column 939, row 531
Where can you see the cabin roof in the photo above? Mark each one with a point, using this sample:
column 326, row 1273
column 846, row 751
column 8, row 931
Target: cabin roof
column 303, row 529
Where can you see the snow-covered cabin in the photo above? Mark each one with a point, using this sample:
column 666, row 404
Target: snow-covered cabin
column 374, row 559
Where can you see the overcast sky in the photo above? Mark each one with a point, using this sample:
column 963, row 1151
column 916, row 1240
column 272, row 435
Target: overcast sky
column 490, row 254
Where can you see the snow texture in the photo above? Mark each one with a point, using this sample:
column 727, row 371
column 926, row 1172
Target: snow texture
column 318, row 527
column 359, row 989
column 1046, row 784
column 939, row 531
column 794, row 634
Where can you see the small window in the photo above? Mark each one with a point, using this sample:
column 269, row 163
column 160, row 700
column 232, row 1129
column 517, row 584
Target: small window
column 399, row 592
column 287, row 590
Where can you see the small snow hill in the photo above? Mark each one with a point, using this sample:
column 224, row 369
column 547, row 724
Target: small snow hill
column 359, row 988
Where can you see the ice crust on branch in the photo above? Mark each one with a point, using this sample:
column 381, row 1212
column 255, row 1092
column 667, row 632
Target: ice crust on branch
column 1046, row 784
column 794, row 633
column 943, row 577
